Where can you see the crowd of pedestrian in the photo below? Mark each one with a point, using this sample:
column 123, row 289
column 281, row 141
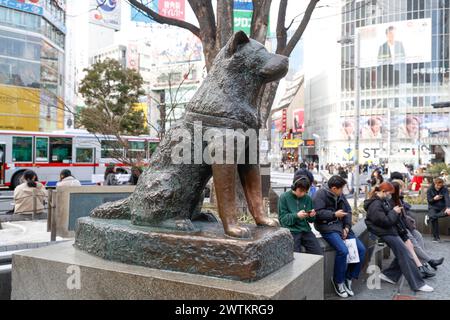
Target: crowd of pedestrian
column 388, row 217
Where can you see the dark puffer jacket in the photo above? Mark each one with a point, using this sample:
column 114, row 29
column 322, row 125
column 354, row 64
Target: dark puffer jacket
column 326, row 204
column 382, row 220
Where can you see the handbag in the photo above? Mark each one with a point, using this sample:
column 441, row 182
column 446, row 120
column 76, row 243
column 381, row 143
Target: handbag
column 353, row 254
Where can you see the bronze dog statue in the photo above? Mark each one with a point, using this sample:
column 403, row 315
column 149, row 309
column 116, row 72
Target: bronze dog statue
column 167, row 193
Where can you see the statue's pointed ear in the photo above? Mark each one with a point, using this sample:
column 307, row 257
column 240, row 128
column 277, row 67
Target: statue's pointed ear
column 236, row 40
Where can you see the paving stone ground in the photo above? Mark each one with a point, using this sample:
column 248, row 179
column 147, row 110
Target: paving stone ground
column 401, row 291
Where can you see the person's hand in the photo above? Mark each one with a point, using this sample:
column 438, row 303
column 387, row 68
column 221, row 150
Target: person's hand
column 438, row 197
column 345, row 232
column 447, row 211
column 302, row 214
column 398, row 209
column 312, row 213
column 340, row 214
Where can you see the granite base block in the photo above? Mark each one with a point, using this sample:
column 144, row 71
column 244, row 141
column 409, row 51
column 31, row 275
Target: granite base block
column 205, row 251
column 51, row 273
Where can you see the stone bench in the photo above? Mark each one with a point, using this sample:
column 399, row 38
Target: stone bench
column 374, row 253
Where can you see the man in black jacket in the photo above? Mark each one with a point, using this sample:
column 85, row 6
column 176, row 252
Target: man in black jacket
column 334, row 222
column 438, row 205
column 303, row 171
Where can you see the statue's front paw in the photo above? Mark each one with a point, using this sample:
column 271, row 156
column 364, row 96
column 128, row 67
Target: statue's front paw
column 269, row 222
column 238, row 232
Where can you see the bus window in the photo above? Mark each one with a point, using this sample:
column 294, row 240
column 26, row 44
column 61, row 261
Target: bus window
column 22, row 149
column 136, row 150
column 85, row 155
column 61, row 150
column 111, row 149
column 41, row 151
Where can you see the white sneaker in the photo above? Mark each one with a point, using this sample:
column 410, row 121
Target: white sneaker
column 426, row 288
column 385, row 278
column 348, row 287
column 427, row 218
column 339, row 288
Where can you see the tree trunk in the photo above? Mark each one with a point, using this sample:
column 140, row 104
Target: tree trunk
column 260, row 20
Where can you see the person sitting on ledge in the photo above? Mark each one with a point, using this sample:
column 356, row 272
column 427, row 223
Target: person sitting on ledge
column 334, row 222
column 438, row 205
column 383, row 220
column 414, row 235
column 23, row 196
column 295, row 210
column 66, row 179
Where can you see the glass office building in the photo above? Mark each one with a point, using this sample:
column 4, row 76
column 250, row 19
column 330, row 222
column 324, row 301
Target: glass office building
column 32, row 41
column 404, row 69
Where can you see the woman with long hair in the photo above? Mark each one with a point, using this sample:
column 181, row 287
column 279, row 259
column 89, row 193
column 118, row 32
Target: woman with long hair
column 415, row 241
column 383, row 220
column 24, row 193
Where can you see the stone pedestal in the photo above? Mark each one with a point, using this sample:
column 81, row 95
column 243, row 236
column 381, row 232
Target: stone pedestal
column 206, row 251
column 55, row 272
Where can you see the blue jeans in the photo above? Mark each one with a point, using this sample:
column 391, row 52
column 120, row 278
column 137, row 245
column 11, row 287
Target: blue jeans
column 341, row 269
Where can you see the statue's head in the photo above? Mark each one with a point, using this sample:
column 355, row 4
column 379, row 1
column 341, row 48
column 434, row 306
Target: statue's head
column 244, row 55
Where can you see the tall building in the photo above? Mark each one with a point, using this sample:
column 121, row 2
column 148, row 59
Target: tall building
column 32, row 57
column 404, row 69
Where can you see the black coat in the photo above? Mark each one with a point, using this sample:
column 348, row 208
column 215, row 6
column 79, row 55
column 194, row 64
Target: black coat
column 304, row 172
column 441, row 204
column 326, row 204
column 382, row 220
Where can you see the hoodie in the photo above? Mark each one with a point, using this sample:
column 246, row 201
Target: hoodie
column 326, row 203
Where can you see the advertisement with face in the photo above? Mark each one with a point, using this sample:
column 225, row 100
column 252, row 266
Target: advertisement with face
column 347, row 129
column 409, row 127
column 372, row 127
column 396, row 42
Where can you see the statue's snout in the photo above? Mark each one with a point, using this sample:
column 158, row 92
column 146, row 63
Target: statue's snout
column 275, row 68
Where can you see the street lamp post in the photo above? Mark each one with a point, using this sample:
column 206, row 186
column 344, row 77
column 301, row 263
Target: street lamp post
column 357, row 85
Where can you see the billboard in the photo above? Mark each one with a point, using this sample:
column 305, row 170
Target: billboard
column 105, row 13
column 243, row 21
column 20, row 108
column 132, row 56
column 243, row 5
column 371, row 128
column 174, row 9
column 298, row 120
column 172, row 45
column 138, row 16
column 396, row 42
column 30, row 6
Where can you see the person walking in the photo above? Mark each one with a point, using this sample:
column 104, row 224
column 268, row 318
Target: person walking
column 438, row 206
column 295, row 210
column 334, row 222
column 382, row 220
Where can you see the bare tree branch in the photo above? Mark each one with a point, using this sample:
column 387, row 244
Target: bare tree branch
column 301, row 28
column 281, row 29
column 164, row 20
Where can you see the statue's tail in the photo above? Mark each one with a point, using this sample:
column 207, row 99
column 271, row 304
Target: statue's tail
column 113, row 210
